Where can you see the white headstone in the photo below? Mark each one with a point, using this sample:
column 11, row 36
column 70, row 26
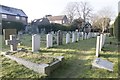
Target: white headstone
column 85, row 36
column 67, row 38
column 49, row 40
column 78, row 36
column 82, row 35
column 104, row 64
column 12, row 42
column 74, row 37
column 35, row 42
column 97, row 46
column 104, row 36
column 101, row 41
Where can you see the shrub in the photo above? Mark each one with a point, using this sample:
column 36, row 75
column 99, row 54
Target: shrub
column 12, row 25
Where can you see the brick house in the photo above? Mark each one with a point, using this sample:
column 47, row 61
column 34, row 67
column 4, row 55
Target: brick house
column 13, row 14
column 62, row 19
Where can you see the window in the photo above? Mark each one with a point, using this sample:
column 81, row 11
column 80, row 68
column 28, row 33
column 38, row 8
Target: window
column 17, row 18
column 4, row 16
column 23, row 18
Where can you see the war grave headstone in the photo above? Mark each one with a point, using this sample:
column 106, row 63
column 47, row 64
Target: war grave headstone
column 103, row 64
column 67, row 38
column 74, row 38
column 49, row 40
column 35, row 42
column 59, row 37
column 12, row 42
column 97, row 46
column 8, row 32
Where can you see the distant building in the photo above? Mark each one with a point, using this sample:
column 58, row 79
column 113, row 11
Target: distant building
column 58, row 19
column 13, row 14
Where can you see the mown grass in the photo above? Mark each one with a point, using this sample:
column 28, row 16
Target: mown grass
column 77, row 63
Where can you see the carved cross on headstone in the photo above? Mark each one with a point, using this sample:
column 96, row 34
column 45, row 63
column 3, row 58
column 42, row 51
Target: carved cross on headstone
column 12, row 42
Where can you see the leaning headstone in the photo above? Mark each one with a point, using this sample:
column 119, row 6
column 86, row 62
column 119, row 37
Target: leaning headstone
column 104, row 64
column 12, row 42
column 59, row 38
column 8, row 32
column 97, row 46
column 49, row 40
column 67, row 38
column 35, row 42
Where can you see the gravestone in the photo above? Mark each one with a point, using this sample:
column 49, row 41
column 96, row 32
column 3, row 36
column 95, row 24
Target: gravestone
column 12, row 42
column 74, row 38
column 8, row 32
column 35, row 42
column 49, row 40
column 97, row 46
column 82, row 35
column 104, row 64
column 59, row 37
column 67, row 38
column 102, row 40
column 85, row 35
column 78, row 36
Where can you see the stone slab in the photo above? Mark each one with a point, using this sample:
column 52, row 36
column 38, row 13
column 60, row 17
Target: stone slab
column 104, row 64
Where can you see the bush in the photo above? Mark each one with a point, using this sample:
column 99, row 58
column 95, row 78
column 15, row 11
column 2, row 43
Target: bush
column 12, row 25
column 53, row 27
column 117, row 27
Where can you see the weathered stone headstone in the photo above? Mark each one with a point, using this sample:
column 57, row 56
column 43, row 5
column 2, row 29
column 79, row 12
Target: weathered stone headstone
column 35, row 42
column 49, row 40
column 12, row 42
column 59, row 38
column 104, row 64
column 67, row 38
column 8, row 32
column 97, row 46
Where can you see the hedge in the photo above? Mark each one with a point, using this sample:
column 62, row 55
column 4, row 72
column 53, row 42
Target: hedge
column 12, row 25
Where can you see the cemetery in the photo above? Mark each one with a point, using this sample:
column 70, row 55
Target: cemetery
column 55, row 60
column 58, row 48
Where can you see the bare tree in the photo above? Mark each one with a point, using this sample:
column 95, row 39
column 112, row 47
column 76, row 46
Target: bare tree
column 70, row 11
column 85, row 10
column 78, row 10
column 102, row 18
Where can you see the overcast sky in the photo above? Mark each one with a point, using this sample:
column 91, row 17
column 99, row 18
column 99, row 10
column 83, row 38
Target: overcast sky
column 38, row 8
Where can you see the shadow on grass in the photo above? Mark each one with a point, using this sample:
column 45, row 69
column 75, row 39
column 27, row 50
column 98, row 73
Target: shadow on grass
column 71, row 68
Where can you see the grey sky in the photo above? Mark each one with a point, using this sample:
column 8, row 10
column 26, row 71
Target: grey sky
column 39, row 8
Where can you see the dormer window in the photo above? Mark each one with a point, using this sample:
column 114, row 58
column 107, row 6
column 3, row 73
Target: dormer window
column 4, row 16
column 17, row 18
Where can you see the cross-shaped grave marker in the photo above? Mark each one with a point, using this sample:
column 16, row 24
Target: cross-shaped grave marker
column 12, row 42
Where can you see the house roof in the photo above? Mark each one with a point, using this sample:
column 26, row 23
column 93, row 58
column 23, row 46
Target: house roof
column 12, row 11
column 53, row 18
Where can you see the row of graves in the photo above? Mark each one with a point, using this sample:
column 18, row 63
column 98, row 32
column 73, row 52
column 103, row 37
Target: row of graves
column 51, row 39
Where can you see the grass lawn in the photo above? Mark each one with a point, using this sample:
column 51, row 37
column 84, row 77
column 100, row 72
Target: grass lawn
column 77, row 63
